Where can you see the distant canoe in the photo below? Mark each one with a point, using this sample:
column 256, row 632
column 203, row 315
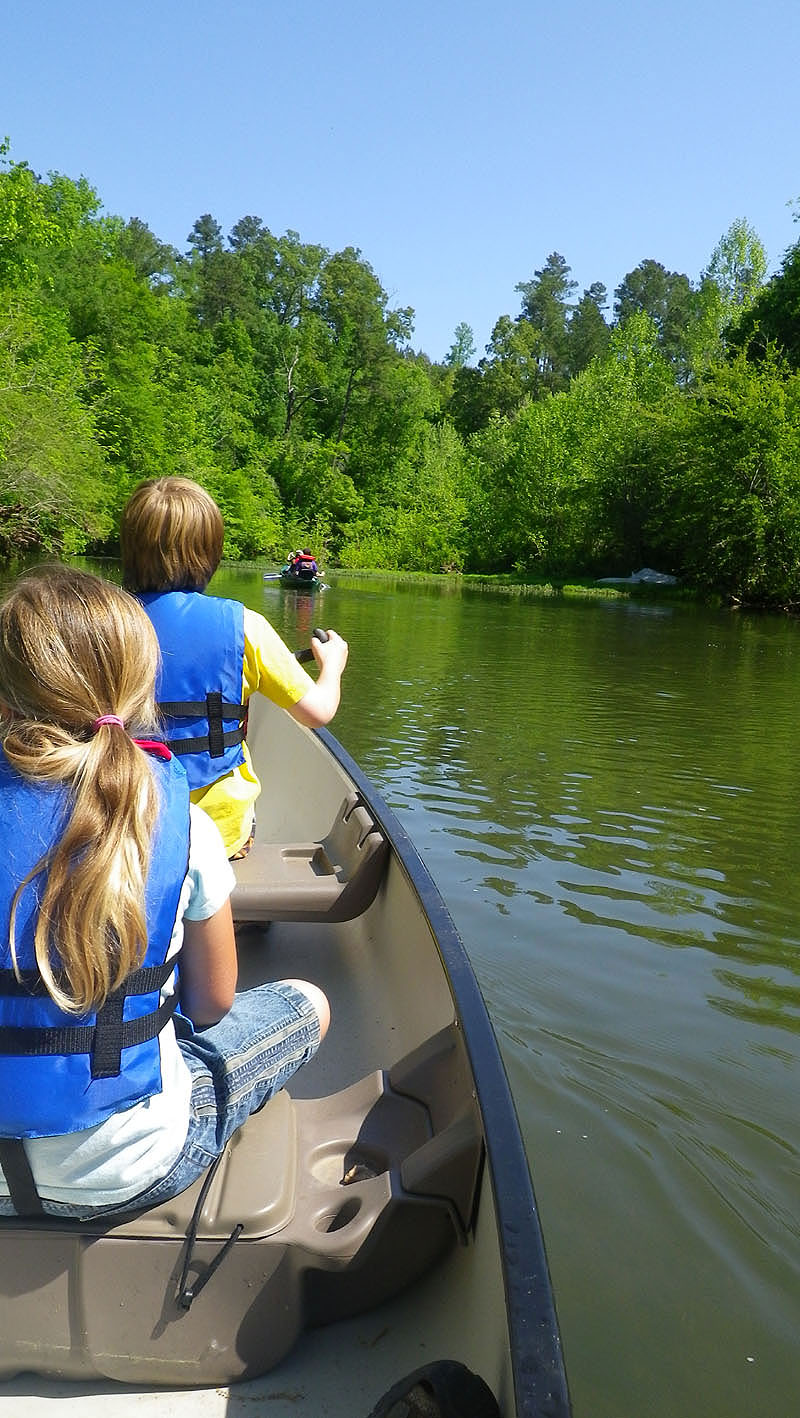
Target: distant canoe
column 295, row 583
column 301, row 583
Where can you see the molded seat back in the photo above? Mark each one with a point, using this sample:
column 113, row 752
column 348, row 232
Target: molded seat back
column 334, row 879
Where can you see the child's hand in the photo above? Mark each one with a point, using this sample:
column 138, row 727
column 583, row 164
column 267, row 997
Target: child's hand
column 330, row 654
column 319, row 705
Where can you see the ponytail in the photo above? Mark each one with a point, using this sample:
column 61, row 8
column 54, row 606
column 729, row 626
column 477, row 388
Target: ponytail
column 78, row 659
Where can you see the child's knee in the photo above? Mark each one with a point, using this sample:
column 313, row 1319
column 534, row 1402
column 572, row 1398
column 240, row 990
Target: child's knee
column 319, row 1000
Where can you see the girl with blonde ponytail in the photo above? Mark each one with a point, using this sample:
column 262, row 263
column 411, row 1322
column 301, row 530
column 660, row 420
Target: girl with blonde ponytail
column 66, row 699
column 114, row 907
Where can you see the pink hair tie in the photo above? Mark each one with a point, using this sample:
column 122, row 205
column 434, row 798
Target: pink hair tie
column 108, row 719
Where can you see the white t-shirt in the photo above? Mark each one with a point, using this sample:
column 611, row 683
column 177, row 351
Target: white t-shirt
column 112, row 1162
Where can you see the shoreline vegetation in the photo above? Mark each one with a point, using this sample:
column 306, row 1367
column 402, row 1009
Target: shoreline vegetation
column 656, row 427
column 510, row 585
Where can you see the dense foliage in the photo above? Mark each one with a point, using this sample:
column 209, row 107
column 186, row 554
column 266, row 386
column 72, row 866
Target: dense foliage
column 586, row 441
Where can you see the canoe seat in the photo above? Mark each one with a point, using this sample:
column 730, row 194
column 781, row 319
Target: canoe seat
column 320, row 1208
column 334, row 879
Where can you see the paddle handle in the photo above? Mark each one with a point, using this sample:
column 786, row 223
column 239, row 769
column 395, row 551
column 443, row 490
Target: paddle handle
column 305, row 655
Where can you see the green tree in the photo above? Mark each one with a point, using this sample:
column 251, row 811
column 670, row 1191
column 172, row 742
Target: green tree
column 774, row 316
column 737, row 267
column 289, row 338
column 135, row 352
column 669, row 301
column 729, row 288
column 205, row 237
column 511, row 371
column 424, row 527
column 624, row 399
column 37, row 217
column 728, row 511
column 152, row 260
column 546, row 305
column 54, row 494
column 526, row 358
column 560, row 487
column 462, row 350
column 320, row 497
column 588, row 334
column 364, row 334
column 469, row 401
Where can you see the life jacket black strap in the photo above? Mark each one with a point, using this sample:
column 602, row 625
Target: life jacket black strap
column 143, row 981
column 19, row 1178
column 29, row 983
column 107, row 1044
column 192, row 709
column 204, row 745
column 112, row 1035
column 215, row 709
column 104, row 1040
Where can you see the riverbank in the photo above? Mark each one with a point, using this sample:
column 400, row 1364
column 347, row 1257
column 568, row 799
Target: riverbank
column 509, row 584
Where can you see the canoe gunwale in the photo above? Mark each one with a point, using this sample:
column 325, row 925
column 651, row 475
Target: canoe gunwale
column 539, row 1375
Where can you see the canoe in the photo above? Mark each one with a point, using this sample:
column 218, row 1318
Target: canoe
column 295, row 583
column 372, row 1220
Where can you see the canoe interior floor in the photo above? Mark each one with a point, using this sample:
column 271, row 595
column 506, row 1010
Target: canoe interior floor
column 385, row 1000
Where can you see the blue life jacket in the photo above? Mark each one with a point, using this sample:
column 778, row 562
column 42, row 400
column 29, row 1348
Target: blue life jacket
column 62, row 1072
column 200, row 685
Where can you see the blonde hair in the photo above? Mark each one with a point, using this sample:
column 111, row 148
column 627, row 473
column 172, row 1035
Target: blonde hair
column 74, row 648
column 171, row 536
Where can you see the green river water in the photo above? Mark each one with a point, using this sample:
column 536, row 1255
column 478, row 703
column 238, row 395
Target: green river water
column 607, row 796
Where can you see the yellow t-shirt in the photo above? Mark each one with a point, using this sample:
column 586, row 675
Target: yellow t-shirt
column 271, row 669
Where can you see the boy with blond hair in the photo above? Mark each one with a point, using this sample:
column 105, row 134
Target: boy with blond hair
column 215, row 653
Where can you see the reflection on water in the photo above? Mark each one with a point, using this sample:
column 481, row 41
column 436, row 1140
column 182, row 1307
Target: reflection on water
column 607, row 796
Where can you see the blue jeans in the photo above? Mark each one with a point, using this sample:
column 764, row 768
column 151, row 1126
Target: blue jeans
column 236, row 1066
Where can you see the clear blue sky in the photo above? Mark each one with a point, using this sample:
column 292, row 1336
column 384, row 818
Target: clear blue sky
column 455, row 142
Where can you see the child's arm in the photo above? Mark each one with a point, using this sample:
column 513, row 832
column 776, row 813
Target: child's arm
column 320, row 702
column 271, row 668
column 208, row 967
